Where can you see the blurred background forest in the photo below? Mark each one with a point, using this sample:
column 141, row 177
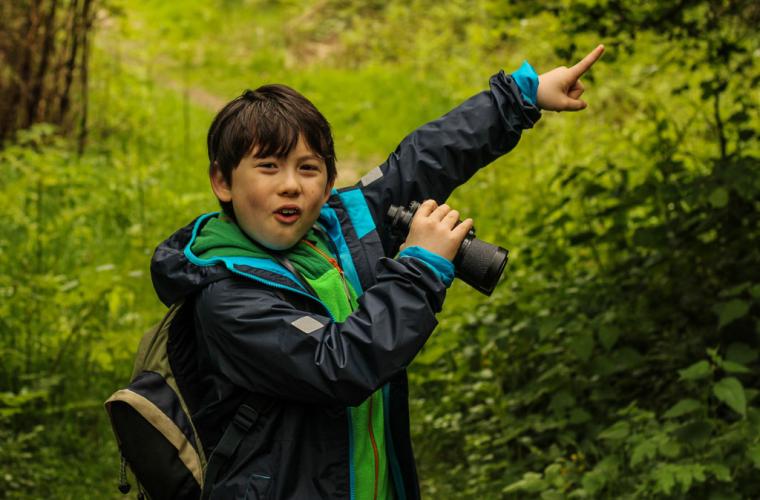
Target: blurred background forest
column 619, row 357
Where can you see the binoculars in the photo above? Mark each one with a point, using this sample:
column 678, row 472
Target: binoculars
column 477, row 263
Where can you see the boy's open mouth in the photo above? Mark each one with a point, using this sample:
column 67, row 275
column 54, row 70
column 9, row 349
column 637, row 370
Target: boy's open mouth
column 287, row 214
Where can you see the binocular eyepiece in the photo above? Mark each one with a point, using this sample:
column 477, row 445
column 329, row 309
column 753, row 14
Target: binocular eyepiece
column 477, row 263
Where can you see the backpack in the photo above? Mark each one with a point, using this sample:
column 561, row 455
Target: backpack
column 151, row 417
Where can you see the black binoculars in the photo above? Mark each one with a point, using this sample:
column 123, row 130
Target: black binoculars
column 477, row 263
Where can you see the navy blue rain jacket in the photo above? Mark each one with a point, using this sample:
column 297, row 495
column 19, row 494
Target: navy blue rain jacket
column 258, row 331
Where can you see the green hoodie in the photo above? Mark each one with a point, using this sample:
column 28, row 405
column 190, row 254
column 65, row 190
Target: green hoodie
column 221, row 237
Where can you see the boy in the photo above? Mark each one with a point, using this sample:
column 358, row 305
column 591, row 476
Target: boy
column 300, row 309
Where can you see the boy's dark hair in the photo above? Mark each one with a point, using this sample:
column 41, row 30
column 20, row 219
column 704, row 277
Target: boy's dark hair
column 270, row 118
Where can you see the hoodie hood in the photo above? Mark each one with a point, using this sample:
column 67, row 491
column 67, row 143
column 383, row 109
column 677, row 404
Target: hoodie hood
column 174, row 275
column 212, row 248
column 178, row 271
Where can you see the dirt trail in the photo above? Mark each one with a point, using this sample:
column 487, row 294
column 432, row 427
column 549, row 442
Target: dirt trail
column 350, row 167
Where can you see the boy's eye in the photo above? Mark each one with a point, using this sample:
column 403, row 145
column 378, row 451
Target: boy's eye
column 266, row 165
column 310, row 167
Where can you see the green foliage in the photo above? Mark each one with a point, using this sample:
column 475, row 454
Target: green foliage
column 74, row 282
column 622, row 349
column 620, row 356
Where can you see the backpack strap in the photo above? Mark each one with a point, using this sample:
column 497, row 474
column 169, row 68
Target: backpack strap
column 244, row 420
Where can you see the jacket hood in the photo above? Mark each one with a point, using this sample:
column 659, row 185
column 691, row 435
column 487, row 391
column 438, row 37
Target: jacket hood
column 208, row 250
column 174, row 275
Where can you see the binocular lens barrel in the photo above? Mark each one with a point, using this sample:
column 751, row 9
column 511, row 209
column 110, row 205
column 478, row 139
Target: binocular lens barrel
column 480, row 264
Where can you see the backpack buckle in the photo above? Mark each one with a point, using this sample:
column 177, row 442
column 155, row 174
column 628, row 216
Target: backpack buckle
column 245, row 417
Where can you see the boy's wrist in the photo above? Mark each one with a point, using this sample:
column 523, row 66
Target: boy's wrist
column 526, row 79
column 441, row 266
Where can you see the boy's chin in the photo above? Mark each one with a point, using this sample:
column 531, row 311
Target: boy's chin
column 279, row 246
column 275, row 242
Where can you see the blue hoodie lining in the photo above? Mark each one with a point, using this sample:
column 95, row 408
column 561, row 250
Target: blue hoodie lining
column 332, row 224
column 358, row 211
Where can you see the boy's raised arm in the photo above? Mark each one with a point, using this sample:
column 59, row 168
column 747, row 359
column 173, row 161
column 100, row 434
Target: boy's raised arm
column 444, row 153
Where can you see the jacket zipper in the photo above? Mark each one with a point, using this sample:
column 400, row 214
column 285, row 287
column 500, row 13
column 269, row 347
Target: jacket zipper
column 375, row 452
column 374, row 447
column 335, row 264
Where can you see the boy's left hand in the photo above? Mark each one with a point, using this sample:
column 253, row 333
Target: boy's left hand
column 560, row 89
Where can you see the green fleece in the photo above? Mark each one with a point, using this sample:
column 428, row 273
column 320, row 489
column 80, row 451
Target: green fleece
column 221, row 237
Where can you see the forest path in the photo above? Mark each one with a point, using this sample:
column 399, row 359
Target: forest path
column 350, row 166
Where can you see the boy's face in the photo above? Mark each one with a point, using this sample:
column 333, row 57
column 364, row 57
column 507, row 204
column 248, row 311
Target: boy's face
column 276, row 200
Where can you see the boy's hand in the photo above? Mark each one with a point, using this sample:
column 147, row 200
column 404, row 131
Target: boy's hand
column 560, row 89
column 435, row 229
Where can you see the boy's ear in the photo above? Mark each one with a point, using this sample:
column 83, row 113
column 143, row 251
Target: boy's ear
column 328, row 189
column 219, row 184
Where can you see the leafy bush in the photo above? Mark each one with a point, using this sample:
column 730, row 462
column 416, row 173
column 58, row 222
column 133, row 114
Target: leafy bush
column 619, row 358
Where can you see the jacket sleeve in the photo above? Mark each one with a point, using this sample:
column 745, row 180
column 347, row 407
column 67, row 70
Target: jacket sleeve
column 266, row 345
column 439, row 156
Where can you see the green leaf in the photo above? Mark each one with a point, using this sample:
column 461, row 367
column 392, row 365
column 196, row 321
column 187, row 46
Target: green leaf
column 719, row 198
column 616, row 432
column 732, row 367
column 734, row 291
column 720, row 471
column 608, row 336
column 582, row 345
column 697, row 371
column 645, row 450
column 579, row 416
column 670, row 448
column 730, row 391
column 739, row 352
column 605, row 471
column 751, row 394
column 552, row 495
column 530, row 482
column 688, row 473
column 753, row 453
column 664, row 479
column 730, row 311
column 682, row 408
column 548, row 326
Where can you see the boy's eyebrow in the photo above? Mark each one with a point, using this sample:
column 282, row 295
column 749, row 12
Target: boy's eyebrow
column 308, row 157
column 298, row 160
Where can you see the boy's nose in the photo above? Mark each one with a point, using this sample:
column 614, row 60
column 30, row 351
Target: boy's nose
column 290, row 184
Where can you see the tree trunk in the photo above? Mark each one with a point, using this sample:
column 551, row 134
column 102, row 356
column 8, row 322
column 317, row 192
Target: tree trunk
column 70, row 65
column 38, row 84
column 44, row 52
column 83, row 74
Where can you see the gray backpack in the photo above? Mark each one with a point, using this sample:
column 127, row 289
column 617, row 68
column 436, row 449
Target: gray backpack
column 152, row 421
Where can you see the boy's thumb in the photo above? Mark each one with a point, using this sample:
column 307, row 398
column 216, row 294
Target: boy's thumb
column 575, row 104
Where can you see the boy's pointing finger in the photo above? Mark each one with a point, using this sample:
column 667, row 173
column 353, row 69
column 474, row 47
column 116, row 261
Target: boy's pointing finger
column 588, row 61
